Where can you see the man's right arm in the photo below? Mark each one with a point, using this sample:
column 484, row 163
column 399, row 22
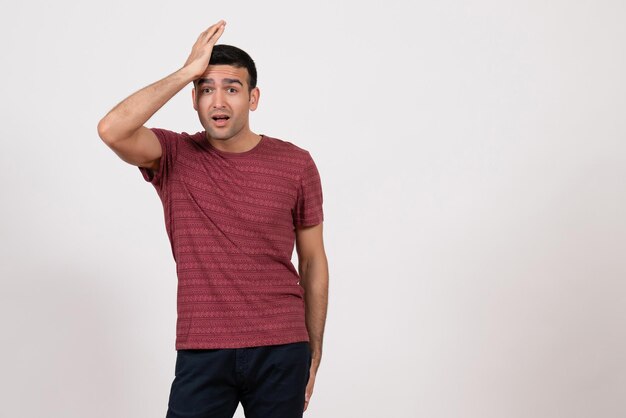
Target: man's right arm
column 122, row 128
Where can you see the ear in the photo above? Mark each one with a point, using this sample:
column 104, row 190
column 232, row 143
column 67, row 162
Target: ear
column 193, row 98
column 255, row 94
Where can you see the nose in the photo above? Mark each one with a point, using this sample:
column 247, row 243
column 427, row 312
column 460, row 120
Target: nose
column 218, row 99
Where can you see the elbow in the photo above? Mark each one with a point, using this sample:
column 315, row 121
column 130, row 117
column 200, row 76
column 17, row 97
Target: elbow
column 313, row 258
column 313, row 266
column 109, row 132
column 104, row 131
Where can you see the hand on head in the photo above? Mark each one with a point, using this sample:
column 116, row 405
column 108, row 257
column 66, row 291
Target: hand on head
column 200, row 55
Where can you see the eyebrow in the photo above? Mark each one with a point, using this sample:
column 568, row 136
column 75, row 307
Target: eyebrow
column 224, row 81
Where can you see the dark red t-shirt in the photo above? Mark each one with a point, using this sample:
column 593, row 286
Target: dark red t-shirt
column 231, row 219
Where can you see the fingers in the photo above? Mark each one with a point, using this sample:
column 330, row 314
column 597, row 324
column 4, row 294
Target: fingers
column 309, row 391
column 201, row 50
column 212, row 30
column 213, row 39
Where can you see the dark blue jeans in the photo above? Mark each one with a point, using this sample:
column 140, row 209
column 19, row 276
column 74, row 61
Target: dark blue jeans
column 268, row 381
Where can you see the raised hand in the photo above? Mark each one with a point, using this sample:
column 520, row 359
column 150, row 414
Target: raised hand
column 200, row 55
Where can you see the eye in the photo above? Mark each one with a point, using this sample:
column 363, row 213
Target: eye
column 232, row 90
column 207, row 90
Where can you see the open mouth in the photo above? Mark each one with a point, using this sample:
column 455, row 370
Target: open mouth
column 220, row 120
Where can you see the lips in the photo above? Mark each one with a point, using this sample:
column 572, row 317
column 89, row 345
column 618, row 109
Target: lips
column 220, row 119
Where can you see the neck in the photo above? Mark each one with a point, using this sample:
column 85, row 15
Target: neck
column 242, row 142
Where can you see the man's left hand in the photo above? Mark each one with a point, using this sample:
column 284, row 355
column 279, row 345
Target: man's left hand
column 309, row 388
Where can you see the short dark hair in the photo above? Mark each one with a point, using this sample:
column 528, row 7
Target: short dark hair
column 231, row 55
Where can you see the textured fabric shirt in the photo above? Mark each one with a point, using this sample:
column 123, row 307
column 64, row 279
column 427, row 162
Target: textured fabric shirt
column 231, row 218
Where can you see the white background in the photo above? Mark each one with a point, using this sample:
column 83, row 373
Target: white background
column 473, row 162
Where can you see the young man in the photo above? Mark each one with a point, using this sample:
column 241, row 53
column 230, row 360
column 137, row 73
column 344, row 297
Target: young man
column 249, row 327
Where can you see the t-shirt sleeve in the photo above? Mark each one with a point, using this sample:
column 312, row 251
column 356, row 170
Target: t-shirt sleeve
column 308, row 210
column 169, row 146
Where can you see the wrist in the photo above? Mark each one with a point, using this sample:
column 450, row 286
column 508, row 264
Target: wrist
column 316, row 358
column 187, row 73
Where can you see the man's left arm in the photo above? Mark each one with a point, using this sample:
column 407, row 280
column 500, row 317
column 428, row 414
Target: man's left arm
column 313, row 269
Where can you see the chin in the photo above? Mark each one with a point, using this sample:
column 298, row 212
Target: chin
column 219, row 135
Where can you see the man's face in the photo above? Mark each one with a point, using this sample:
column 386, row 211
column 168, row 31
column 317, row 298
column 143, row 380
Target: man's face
column 223, row 101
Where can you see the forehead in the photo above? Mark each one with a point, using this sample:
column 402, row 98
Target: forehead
column 219, row 72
